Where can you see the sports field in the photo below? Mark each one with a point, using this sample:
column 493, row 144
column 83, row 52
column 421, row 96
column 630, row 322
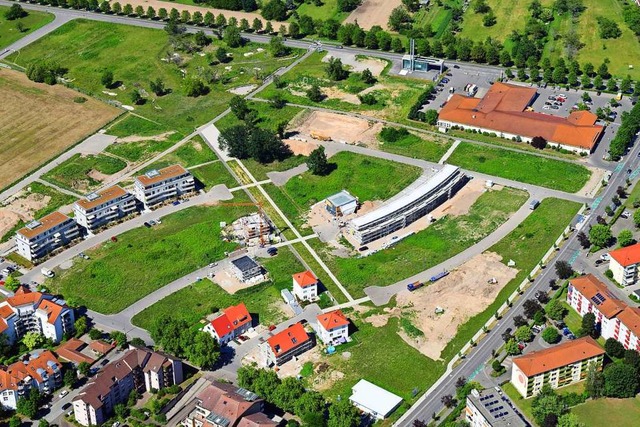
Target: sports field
column 38, row 122
column 9, row 31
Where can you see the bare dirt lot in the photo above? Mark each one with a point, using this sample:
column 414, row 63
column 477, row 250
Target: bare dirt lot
column 373, row 12
column 375, row 65
column 38, row 121
column 340, row 128
column 21, row 207
column 300, row 147
column 462, row 294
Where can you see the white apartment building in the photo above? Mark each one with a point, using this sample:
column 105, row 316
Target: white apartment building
column 40, row 237
column 408, row 206
column 157, row 186
column 488, row 408
column 305, row 286
column 102, row 207
column 617, row 320
column 28, row 311
column 333, row 327
column 624, row 264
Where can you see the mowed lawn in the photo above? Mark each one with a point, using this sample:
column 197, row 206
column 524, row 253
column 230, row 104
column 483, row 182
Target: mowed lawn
column 440, row 241
column 145, row 259
column 525, row 168
column 609, row 412
column 10, row 34
column 38, row 122
column 203, row 298
column 135, row 56
column 418, row 146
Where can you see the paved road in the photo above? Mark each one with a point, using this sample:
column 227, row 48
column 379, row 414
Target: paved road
column 58, row 21
column 481, row 355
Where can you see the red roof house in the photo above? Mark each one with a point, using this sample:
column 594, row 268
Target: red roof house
column 233, row 322
column 285, row 345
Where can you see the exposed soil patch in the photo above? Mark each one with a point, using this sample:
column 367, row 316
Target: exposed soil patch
column 358, row 65
column 373, row 12
column 137, row 138
column 300, row 147
column 242, row 90
column 341, row 128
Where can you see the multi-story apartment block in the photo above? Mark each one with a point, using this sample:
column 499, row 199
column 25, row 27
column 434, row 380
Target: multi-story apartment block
column 333, row 327
column 41, row 237
column 233, row 322
column 557, row 366
column 42, row 371
column 139, row 369
column 488, row 408
column 28, row 311
column 102, row 207
column 305, row 286
column 285, row 345
column 157, row 186
column 624, row 264
column 617, row 320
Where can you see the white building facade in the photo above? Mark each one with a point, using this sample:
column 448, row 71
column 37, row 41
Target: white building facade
column 305, row 286
column 39, row 238
column 333, row 327
column 624, row 264
column 156, row 186
column 100, row 208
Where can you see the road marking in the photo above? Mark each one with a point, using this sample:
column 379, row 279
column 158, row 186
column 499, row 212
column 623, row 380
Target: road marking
column 476, row 372
column 596, row 203
column 635, row 173
column 574, row 257
column 618, row 168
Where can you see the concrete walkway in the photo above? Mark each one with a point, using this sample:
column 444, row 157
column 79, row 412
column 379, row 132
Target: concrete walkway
column 449, row 152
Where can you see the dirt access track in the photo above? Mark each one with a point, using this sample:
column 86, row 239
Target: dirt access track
column 38, row 122
column 373, row 12
column 338, row 127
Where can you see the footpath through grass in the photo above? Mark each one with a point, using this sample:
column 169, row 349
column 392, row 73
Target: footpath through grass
column 525, row 168
column 203, row 298
column 9, row 33
column 440, row 241
column 145, row 259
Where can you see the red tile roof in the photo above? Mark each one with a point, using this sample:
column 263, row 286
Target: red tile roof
column 233, row 317
column 333, row 319
column 502, row 110
column 257, row 420
column 304, row 279
column 72, row 351
column 630, row 317
column 224, row 400
column 627, row 256
column 52, row 309
column 100, row 346
column 538, row 362
column 589, row 286
column 292, row 337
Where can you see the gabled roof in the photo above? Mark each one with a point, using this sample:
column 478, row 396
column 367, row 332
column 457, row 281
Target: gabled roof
column 258, row 419
column 72, row 351
column 24, row 296
column 100, row 346
column 232, row 318
column 227, row 401
column 538, row 362
column 304, row 279
column 292, row 337
column 630, row 317
column 333, row 319
column 627, row 256
column 599, row 295
column 52, row 309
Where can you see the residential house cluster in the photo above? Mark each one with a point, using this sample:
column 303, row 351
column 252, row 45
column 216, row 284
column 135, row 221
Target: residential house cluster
column 98, row 209
column 230, row 324
column 39, row 312
column 617, row 320
column 41, row 371
column 139, row 369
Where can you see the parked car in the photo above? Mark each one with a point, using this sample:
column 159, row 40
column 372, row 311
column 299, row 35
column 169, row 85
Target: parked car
column 176, row 203
column 555, row 107
column 599, row 262
column 63, row 393
column 626, row 214
column 605, row 257
column 146, row 224
column 152, row 222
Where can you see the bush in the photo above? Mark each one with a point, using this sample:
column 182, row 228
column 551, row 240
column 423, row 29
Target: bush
column 389, row 134
column 368, row 99
column 551, row 335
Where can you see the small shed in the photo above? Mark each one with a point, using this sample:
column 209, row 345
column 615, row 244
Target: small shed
column 374, row 400
column 341, row 204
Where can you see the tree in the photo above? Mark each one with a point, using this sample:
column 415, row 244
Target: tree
column 546, row 403
column 519, row 321
column 257, row 25
column 620, row 380
column 119, row 338
column 209, row 19
column 497, row 366
column 608, row 29
column 274, row 10
column 531, row 307
column 222, row 56
column 489, row 20
column 28, row 405
column 563, row 269
column 15, row 12
column 202, row 39
column 595, row 381
column 583, row 239
column 194, row 87
column 539, row 142
column 511, row 347
column 614, row 348
column 268, row 28
column 15, row 421
column 107, row 78
column 335, row 71
column 343, row 414
column 431, row 117
column 310, row 402
column 84, row 368
column 399, row 19
column 625, row 238
column 95, row 334
column 127, row 9
column 140, row 11
column 555, row 310
column 157, row 87
column 12, row 283
column 367, row 77
column 70, row 377
column 239, row 107
column 551, row 335
column 569, row 420
column 33, row 340
column 523, row 333
column 43, row 423
column 277, row 47
column 138, row 342
column 600, row 235
column 448, row 401
column 136, row 97
column 317, row 162
column 116, row 8
column 232, row 37
column 162, row 13
column 597, row 83
column 315, row 94
column 588, row 326
column 80, row 326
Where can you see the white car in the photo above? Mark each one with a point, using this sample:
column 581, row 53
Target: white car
column 605, row 257
column 63, row 393
column 625, row 214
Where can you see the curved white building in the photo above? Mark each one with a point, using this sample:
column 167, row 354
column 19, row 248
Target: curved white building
column 404, row 209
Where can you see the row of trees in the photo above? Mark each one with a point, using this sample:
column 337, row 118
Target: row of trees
column 626, row 132
column 178, row 338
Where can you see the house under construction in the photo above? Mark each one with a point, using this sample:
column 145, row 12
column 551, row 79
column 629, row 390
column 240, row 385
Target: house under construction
column 250, row 227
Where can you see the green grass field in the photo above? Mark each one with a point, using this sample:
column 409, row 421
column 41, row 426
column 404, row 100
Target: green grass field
column 436, row 16
column 140, row 150
column 420, row 147
column 133, row 54
column 328, row 10
column 521, row 167
column 440, row 241
column 145, row 259
column 74, row 173
column 525, row 404
column 268, row 117
column 214, row 174
column 10, row 34
column 130, row 124
column 613, row 412
column 203, row 298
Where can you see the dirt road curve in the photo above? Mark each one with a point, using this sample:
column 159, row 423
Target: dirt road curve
column 373, row 12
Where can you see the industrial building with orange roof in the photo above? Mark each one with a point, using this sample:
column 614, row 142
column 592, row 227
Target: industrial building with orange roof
column 503, row 111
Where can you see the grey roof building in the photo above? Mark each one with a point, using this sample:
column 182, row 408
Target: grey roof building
column 489, row 408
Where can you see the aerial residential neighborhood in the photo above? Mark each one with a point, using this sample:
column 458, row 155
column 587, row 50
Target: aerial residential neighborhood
column 319, row 213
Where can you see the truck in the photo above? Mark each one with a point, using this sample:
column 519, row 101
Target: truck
column 415, row 285
column 439, row 276
column 47, row 272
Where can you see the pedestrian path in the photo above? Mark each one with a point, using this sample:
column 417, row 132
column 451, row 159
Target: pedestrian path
column 449, row 151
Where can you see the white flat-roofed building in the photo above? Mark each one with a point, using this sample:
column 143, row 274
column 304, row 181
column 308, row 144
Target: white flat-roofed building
column 374, row 400
column 102, row 207
column 40, row 237
column 488, row 408
column 408, row 206
column 157, row 186
column 341, row 204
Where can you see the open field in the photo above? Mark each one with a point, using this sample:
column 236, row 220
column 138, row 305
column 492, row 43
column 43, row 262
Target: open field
column 328, row 10
column 184, row 242
column 139, row 151
column 426, row 147
column 10, row 34
column 521, row 167
column 268, row 117
column 613, row 412
column 435, row 16
column 203, row 298
column 373, row 12
column 132, row 126
column 84, row 173
column 34, row 202
column 214, row 174
column 30, row 122
column 440, row 241
column 88, row 48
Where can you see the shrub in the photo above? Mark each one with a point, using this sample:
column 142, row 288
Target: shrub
column 390, row 134
column 551, row 335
